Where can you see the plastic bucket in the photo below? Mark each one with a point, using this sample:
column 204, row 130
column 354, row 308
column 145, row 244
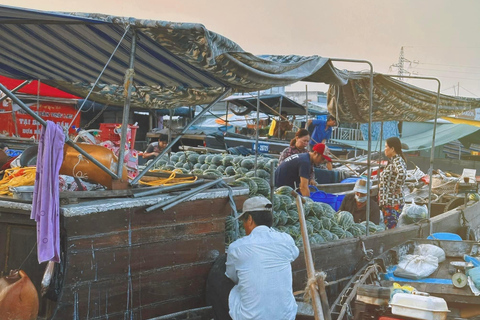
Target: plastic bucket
column 321, row 196
column 339, row 201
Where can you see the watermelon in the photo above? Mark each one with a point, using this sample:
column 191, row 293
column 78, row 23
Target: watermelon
column 252, row 186
column 182, row 158
column 217, row 160
column 227, row 160
column 327, row 209
column 355, row 231
column 229, row 171
column 339, row 232
column 344, row 219
column 179, row 165
column 286, row 201
column 209, row 158
column 237, row 160
column 174, row 158
column 285, row 190
column 197, row 172
column 212, row 167
column 238, row 184
column 327, row 223
column 263, row 187
column 248, row 163
column 204, row 166
column 193, row 158
column 241, row 170
column 201, row 158
column 187, row 166
column 197, row 166
column 372, row 227
column 292, row 216
column 276, row 202
column 327, row 235
column 221, row 169
column 316, row 239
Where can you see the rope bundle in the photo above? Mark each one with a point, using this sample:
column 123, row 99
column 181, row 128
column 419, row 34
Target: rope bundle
column 171, row 180
column 17, row 177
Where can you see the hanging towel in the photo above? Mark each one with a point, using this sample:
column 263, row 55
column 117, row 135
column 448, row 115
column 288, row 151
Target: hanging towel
column 46, row 198
column 272, row 127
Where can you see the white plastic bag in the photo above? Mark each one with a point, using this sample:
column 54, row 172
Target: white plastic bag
column 413, row 212
column 430, row 250
column 416, row 267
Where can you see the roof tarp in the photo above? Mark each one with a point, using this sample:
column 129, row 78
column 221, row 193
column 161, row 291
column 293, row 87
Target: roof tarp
column 35, row 88
column 176, row 64
column 421, row 141
column 392, row 100
column 269, row 104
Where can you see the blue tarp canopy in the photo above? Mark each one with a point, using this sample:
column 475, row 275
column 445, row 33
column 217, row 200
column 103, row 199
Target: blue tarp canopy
column 269, row 104
column 421, row 141
column 176, row 64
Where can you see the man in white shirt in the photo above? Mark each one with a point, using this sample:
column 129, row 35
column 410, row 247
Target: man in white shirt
column 260, row 267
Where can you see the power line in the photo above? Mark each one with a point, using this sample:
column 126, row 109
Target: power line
column 447, row 65
column 447, row 70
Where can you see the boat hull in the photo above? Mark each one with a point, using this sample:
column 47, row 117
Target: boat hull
column 120, row 261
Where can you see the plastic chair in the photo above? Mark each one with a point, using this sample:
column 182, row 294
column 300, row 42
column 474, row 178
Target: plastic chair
column 444, row 236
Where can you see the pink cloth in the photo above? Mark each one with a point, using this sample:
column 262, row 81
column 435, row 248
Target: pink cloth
column 46, row 197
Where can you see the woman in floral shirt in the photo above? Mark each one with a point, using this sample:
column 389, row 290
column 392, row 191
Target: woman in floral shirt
column 392, row 179
column 298, row 144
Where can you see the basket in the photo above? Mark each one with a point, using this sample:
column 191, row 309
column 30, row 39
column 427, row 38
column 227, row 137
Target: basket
column 331, row 199
column 442, row 185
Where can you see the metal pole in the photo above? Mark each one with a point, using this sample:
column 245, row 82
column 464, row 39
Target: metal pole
column 162, row 189
column 306, row 106
column 370, row 116
column 432, row 151
column 20, row 86
column 148, row 167
column 183, row 196
column 279, row 134
column 256, row 131
column 126, row 109
column 44, row 123
column 226, row 118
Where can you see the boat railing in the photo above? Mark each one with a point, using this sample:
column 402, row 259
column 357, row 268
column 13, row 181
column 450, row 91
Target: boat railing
column 346, row 134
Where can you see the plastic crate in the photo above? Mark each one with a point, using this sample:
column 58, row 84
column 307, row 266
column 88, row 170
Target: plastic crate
column 112, row 131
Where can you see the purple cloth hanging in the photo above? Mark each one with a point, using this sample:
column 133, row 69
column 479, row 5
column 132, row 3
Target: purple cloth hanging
column 46, row 197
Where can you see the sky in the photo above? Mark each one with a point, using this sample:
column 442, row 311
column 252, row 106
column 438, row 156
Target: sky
column 441, row 38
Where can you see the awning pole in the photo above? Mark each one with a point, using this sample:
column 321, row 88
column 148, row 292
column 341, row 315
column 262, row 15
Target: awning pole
column 306, row 107
column 280, row 119
column 370, row 117
column 256, row 131
column 126, row 109
column 20, row 86
column 44, row 123
column 167, row 148
column 432, row 151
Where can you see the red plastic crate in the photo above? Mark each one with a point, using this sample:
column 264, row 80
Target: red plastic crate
column 112, row 131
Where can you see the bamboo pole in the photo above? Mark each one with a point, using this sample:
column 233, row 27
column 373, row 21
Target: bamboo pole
column 316, row 302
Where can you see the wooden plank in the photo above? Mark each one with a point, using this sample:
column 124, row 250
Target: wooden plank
column 118, row 220
column 146, row 235
column 97, row 299
column 95, row 265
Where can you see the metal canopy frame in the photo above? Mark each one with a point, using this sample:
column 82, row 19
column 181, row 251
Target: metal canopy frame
column 129, row 85
column 432, row 150
column 370, row 117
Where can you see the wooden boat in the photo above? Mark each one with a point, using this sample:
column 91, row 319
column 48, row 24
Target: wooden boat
column 370, row 292
column 119, row 261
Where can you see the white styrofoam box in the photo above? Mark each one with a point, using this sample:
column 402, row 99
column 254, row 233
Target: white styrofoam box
column 419, row 307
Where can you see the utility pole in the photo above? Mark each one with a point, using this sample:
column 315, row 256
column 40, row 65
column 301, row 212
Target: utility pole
column 400, row 65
